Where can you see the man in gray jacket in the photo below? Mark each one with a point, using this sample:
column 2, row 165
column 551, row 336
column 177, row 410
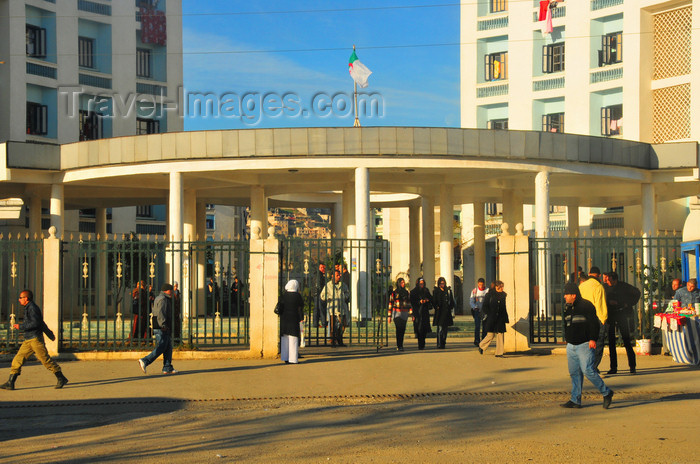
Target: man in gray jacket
column 162, row 331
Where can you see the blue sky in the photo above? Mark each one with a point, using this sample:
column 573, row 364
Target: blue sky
column 256, row 57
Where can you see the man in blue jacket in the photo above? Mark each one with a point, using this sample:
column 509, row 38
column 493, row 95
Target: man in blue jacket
column 581, row 330
column 34, row 329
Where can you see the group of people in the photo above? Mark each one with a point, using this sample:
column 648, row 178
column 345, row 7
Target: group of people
column 226, row 300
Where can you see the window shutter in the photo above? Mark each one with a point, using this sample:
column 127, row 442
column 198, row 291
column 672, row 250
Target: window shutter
column 487, row 68
column 545, row 59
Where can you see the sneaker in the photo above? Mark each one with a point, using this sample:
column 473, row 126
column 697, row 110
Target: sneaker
column 171, row 372
column 142, row 365
column 611, row 372
column 570, row 405
column 607, row 399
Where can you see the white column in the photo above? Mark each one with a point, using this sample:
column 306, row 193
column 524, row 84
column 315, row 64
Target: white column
column 258, row 213
column 572, row 219
column 349, row 211
column 361, row 288
column 542, row 231
column 428, row 239
column 189, row 217
column 446, row 235
column 175, row 206
column 649, row 224
column 56, row 208
column 414, row 242
column 512, row 209
column 479, row 241
column 337, row 227
column 189, row 260
column 101, row 222
column 201, row 236
column 34, row 216
column 542, row 204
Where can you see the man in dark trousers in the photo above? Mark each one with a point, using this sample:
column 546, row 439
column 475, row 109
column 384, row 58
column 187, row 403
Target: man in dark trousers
column 581, row 329
column 162, row 331
column 621, row 298
column 34, row 329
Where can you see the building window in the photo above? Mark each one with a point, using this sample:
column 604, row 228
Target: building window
column 211, row 222
column 496, row 66
column 498, row 6
column 37, row 119
column 553, row 122
column 86, row 52
column 501, row 124
column 553, row 58
column 144, row 211
column 36, row 41
column 491, row 209
column 611, row 120
column 611, row 50
column 143, row 62
column 90, row 125
column 147, row 126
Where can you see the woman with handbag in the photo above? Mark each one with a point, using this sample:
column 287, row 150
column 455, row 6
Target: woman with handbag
column 444, row 303
column 399, row 310
column 496, row 318
column 290, row 309
column 421, row 303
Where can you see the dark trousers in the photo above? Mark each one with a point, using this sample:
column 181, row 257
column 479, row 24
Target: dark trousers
column 478, row 334
column 600, row 344
column 400, row 324
column 337, row 329
column 441, row 336
column 622, row 324
column 320, row 312
column 421, row 340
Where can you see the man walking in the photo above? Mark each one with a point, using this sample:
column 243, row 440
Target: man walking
column 592, row 290
column 622, row 297
column 581, row 329
column 476, row 301
column 34, row 329
column 162, row 331
column 336, row 297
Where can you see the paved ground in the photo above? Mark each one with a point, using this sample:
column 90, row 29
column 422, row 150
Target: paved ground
column 350, row 405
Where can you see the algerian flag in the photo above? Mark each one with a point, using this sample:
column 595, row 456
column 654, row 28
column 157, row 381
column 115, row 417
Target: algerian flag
column 358, row 71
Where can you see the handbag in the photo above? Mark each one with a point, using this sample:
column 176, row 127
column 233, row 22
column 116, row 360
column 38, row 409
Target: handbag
column 278, row 308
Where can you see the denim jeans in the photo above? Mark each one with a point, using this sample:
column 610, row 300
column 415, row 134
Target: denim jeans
column 164, row 346
column 581, row 360
column 478, row 336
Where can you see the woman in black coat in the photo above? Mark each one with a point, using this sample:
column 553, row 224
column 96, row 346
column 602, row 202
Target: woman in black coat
column 421, row 303
column 291, row 312
column 444, row 303
column 494, row 309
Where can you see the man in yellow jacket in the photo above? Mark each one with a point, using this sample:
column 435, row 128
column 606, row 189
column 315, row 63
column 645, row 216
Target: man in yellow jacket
column 592, row 290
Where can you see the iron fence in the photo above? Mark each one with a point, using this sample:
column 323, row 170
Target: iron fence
column 648, row 263
column 109, row 286
column 21, row 267
column 367, row 275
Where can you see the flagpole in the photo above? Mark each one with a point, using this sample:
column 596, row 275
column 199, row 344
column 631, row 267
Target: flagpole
column 357, row 120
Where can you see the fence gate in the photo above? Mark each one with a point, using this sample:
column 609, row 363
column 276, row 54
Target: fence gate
column 649, row 264
column 367, row 276
column 108, row 288
column 21, row 267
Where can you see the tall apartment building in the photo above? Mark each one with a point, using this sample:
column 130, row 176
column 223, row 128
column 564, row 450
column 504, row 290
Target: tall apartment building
column 609, row 68
column 89, row 69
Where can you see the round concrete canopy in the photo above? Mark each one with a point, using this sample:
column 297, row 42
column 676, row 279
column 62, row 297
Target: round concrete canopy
column 312, row 166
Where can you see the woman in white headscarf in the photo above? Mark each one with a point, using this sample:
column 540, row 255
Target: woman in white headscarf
column 291, row 312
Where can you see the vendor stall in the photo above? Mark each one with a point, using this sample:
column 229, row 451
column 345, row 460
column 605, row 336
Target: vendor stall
column 681, row 335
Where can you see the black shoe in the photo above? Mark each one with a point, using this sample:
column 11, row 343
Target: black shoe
column 633, row 370
column 570, row 405
column 341, row 344
column 476, row 343
column 607, row 399
column 500, row 356
column 611, row 372
column 10, row 384
column 62, row 380
column 481, row 351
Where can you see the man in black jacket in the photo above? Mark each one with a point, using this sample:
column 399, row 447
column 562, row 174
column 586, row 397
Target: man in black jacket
column 34, row 328
column 162, row 331
column 621, row 298
column 581, row 330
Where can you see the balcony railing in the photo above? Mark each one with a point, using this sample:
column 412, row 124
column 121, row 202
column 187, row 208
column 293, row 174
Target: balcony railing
column 492, row 23
column 606, row 75
column 492, row 91
column 548, row 84
column 558, row 12
column 94, row 81
column 39, row 70
column 94, row 7
column 600, row 4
